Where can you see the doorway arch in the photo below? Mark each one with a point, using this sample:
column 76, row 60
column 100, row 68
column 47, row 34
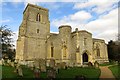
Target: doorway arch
column 85, row 57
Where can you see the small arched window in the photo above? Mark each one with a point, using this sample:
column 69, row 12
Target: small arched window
column 98, row 50
column 65, row 52
column 52, row 49
column 37, row 30
column 38, row 17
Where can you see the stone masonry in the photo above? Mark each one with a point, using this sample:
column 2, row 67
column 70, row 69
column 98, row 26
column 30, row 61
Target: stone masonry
column 74, row 48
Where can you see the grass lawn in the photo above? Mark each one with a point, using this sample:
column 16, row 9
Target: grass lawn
column 106, row 64
column 8, row 72
column 87, row 72
column 115, row 70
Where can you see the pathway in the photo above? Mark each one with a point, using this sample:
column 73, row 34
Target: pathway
column 106, row 73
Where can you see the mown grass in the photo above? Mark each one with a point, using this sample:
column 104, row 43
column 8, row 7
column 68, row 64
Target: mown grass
column 116, row 71
column 8, row 72
column 87, row 72
column 107, row 64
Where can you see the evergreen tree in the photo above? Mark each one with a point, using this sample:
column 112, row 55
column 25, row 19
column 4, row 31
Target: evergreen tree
column 6, row 43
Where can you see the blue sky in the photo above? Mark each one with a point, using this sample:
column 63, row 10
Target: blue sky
column 98, row 17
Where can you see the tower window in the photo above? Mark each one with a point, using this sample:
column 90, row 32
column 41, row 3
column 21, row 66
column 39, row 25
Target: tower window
column 85, row 39
column 38, row 17
column 37, row 30
column 65, row 52
column 52, row 48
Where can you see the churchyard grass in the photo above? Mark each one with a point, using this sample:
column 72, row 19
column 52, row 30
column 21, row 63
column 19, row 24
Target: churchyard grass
column 76, row 71
column 8, row 72
column 107, row 64
column 115, row 70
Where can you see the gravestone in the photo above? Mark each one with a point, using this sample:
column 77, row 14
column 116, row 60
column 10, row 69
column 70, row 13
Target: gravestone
column 42, row 65
column 58, row 65
column 63, row 65
column 3, row 61
column 96, row 64
column 36, row 63
column 56, row 69
column 52, row 63
column 12, row 64
column 51, row 73
column 20, row 72
column 90, row 64
column 8, row 61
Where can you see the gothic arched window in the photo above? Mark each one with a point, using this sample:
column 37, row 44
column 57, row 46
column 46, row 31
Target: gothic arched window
column 38, row 17
column 98, row 50
column 64, row 51
column 52, row 49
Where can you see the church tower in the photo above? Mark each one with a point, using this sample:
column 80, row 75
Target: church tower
column 33, row 31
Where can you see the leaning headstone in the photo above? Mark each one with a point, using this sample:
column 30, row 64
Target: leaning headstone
column 12, row 64
column 52, row 63
column 90, row 64
column 20, row 72
column 8, row 61
column 3, row 62
column 96, row 64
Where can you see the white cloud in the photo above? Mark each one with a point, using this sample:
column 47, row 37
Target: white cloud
column 4, row 21
column 50, row 5
column 105, row 27
column 76, row 20
column 99, row 6
column 108, row 35
column 81, row 15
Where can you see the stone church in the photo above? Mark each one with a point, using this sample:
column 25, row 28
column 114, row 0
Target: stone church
column 73, row 48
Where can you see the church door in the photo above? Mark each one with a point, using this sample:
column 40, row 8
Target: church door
column 85, row 58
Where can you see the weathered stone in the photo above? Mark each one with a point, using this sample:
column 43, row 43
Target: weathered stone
column 58, row 65
column 63, row 65
column 36, row 42
column 96, row 64
column 90, row 64
column 52, row 63
column 42, row 64
column 51, row 73
column 20, row 71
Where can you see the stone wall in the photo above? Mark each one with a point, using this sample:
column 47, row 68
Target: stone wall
column 36, row 42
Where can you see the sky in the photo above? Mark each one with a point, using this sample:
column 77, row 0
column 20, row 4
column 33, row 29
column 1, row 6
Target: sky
column 99, row 17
